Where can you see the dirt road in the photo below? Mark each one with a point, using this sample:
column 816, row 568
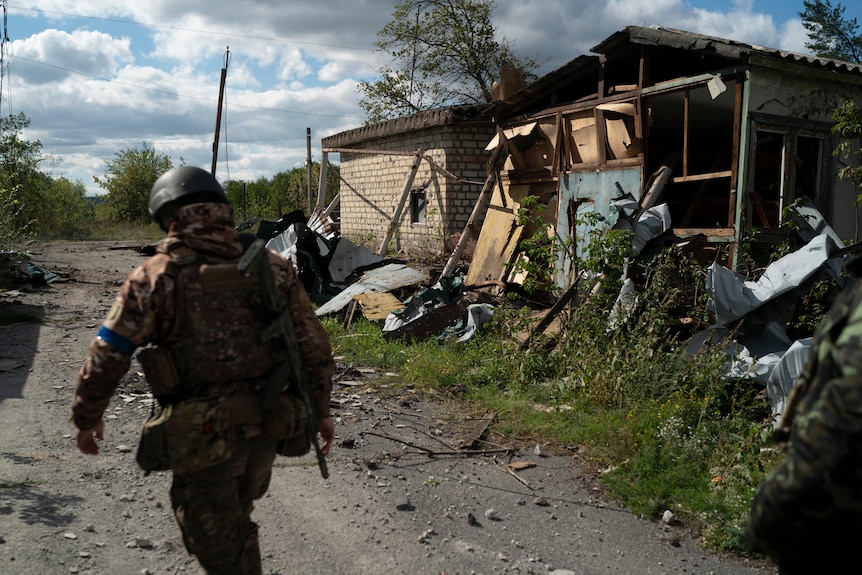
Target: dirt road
column 389, row 506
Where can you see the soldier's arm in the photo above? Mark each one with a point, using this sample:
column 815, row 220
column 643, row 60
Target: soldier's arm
column 129, row 324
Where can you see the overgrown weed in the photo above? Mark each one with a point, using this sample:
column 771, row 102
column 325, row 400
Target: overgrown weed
column 669, row 429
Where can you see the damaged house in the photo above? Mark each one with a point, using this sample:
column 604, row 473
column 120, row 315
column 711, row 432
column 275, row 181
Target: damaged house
column 727, row 138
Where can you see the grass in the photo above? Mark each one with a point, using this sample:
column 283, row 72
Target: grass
column 668, row 430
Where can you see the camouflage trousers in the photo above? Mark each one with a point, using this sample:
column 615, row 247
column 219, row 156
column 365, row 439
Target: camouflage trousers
column 213, row 508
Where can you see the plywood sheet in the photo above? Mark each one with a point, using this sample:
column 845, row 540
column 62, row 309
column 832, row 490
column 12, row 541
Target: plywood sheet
column 620, row 141
column 495, row 247
column 585, row 143
column 377, row 306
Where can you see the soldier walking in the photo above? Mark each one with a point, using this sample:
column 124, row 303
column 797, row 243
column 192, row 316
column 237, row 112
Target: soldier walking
column 200, row 321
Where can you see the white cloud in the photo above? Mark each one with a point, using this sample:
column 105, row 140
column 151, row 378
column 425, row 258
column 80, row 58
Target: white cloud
column 793, row 37
column 51, row 55
column 133, row 72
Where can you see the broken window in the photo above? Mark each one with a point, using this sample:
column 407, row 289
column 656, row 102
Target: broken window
column 691, row 131
column 418, row 203
column 788, row 165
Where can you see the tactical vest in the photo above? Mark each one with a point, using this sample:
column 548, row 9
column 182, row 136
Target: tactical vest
column 220, row 317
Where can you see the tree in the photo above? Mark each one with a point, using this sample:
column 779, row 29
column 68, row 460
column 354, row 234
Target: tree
column 285, row 192
column 128, row 179
column 833, row 36
column 443, row 52
column 830, row 34
column 67, row 213
column 19, row 169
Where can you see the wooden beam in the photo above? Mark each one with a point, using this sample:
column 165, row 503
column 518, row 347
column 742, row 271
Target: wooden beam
column 478, row 209
column 734, row 159
column 685, row 128
column 478, row 430
column 699, row 177
column 396, row 217
column 564, row 300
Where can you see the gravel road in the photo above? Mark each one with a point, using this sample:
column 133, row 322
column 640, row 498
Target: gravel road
column 401, row 498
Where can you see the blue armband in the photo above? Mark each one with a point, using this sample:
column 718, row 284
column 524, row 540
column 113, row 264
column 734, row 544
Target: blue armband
column 116, row 341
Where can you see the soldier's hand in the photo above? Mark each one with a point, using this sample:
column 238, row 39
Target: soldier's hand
column 326, row 427
column 87, row 439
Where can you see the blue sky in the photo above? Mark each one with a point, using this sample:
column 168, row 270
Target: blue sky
column 99, row 77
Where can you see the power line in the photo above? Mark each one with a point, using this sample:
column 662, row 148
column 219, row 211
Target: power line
column 181, row 29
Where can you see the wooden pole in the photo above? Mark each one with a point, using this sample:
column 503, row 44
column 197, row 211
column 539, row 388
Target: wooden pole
column 321, row 190
column 478, row 209
column 308, row 167
column 218, row 112
column 396, row 217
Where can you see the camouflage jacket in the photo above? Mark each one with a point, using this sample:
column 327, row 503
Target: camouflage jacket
column 145, row 312
column 808, row 512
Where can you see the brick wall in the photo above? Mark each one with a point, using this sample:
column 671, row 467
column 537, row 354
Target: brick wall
column 373, row 184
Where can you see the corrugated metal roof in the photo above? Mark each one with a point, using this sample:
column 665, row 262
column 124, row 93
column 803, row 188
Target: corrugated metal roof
column 661, row 36
column 404, row 124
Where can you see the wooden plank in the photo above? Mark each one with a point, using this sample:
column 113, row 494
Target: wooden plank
column 478, row 209
column 699, row 177
column 396, row 217
column 710, row 232
column 497, row 241
column 564, row 300
column 478, row 430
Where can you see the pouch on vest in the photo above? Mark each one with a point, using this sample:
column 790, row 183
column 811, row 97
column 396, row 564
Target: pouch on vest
column 294, row 446
column 288, row 420
column 152, row 452
column 159, row 370
column 201, row 433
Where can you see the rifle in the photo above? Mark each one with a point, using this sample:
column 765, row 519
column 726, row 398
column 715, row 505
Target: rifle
column 255, row 261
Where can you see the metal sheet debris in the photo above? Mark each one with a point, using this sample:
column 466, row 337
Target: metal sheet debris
column 429, row 324
column 382, row 279
column 732, row 297
column 785, row 373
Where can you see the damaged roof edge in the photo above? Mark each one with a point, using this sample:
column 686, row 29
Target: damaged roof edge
column 568, row 73
column 733, row 49
column 660, row 36
column 418, row 121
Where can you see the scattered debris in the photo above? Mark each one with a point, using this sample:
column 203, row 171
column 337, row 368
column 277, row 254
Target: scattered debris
column 480, row 428
column 403, row 504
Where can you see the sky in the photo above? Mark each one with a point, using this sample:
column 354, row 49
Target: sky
column 99, row 77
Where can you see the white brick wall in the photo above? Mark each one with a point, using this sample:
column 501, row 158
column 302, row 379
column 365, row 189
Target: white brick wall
column 373, row 183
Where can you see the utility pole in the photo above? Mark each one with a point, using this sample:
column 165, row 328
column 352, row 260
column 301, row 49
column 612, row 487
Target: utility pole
column 308, row 168
column 218, row 112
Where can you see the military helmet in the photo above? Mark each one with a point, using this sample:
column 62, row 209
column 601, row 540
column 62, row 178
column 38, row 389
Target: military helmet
column 184, row 185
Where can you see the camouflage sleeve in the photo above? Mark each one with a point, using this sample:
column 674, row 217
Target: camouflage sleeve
column 310, row 335
column 97, row 381
column 130, row 323
column 813, row 493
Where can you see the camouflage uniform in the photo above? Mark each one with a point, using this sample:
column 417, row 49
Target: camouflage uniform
column 213, row 506
column 807, row 515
